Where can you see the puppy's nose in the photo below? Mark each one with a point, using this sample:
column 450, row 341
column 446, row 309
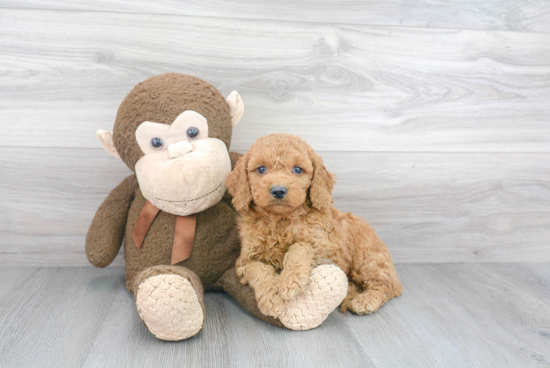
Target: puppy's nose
column 278, row 192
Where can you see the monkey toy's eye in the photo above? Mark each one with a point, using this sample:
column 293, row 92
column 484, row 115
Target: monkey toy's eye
column 157, row 143
column 261, row 170
column 192, row 132
column 297, row 170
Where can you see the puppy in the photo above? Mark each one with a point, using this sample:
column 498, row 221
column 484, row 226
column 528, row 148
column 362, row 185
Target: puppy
column 283, row 193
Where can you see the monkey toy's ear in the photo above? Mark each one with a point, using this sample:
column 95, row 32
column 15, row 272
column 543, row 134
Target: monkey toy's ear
column 106, row 140
column 236, row 107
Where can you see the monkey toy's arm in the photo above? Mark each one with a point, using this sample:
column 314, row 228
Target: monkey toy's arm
column 106, row 232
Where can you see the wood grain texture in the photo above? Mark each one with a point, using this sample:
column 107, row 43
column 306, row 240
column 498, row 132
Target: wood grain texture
column 427, row 207
column 532, row 16
column 341, row 87
column 462, row 315
column 457, row 315
column 50, row 316
column 49, row 197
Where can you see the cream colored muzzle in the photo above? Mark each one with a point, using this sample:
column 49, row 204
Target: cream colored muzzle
column 187, row 178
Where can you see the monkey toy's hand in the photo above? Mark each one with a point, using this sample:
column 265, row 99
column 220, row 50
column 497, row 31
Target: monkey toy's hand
column 106, row 232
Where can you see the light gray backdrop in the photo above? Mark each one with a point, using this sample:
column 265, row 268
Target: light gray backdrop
column 435, row 118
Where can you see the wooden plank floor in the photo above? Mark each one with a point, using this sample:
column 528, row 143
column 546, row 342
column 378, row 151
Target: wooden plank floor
column 452, row 315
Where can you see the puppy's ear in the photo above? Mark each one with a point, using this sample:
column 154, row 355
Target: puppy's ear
column 322, row 183
column 238, row 185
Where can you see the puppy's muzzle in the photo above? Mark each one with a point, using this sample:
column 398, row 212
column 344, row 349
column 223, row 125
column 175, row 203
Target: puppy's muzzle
column 278, row 192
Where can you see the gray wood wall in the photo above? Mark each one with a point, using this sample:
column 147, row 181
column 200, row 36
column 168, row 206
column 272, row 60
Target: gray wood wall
column 434, row 116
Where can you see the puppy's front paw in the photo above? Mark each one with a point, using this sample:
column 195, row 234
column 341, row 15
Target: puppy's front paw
column 269, row 302
column 292, row 284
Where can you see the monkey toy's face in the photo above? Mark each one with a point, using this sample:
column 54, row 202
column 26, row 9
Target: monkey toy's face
column 183, row 170
column 180, row 158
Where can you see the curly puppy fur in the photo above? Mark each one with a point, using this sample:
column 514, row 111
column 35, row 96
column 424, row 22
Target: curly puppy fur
column 283, row 238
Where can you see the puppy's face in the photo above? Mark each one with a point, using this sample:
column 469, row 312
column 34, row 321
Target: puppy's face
column 279, row 181
column 279, row 174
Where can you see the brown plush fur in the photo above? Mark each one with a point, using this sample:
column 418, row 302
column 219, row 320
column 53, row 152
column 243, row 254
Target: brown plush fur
column 216, row 246
column 282, row 238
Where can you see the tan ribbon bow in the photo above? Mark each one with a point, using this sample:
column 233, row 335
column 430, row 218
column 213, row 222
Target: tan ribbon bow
column 183, row 237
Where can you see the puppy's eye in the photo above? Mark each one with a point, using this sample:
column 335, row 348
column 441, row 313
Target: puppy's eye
column 157, row 143
column 192, row 132
column 297, row 170
column 261, row 170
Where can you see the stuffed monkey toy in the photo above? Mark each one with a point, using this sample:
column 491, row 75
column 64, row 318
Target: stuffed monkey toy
column 174, row 214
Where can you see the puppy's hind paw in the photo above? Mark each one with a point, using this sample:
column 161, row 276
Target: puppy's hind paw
column 328, row 286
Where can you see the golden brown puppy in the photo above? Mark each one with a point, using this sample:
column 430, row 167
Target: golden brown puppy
column 283, row 192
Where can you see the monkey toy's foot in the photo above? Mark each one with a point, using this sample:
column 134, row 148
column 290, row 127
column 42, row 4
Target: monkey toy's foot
column 327, row 288
column 169, row 306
